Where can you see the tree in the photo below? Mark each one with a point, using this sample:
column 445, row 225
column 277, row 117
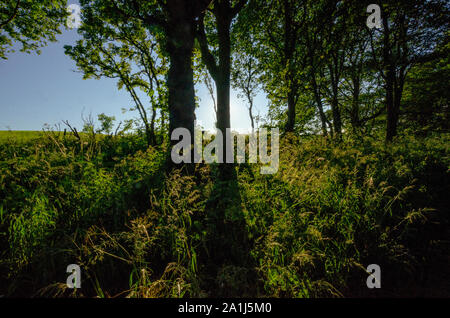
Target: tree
column 245, row 78
column 211, row 87
column 426, row 95
column 410, row 32
column 219, row 68
column 32, row 23
column 174, row 24
column 360, row 87
column 129, row 53
column 336, row 40
column 274, row 27
column 106, row 123
column 315, row 53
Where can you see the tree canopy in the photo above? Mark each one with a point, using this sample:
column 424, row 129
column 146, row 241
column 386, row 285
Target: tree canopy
column 31, row 23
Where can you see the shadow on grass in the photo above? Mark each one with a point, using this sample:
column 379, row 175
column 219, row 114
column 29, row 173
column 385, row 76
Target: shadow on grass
column 229, row 267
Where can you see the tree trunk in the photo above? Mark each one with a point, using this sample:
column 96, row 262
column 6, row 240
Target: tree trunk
column 355, row 104
column 392, row 113
column 334, row 76
column 336, row 115
column 152, row 125
column 223, row 87
column 291, row 111
column 221, row 71
column 323, row 118
column 250, row 113
column 393, row 100
column 223, row 75
column 335, row 106
column 180, row 81
column 289, row 47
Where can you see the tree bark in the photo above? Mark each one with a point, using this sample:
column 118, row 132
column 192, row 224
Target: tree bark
column 180, row 81
column 291, row 112
column 312, row 51
column 223, row 84
column 335, row 102
column 250, row 111
column 223, row 76
column 323, row 118
column 289, row 47
column 392, row 116
column 355, row 104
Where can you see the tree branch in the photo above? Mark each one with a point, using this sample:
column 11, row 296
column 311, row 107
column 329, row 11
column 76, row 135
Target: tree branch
column 207, row 57
column 150, row 20
column 16, row 9
column 238, row 7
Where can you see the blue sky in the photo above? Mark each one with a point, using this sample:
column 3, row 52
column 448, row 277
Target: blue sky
column 45, row 89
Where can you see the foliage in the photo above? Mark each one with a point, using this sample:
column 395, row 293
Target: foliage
column 426, row 94
column 128, row 53
column 309, row 231
column 31, row 23
column 140, row 226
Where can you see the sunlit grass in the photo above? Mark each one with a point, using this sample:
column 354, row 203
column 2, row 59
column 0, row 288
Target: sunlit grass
column 136, row 229
column 19, row 135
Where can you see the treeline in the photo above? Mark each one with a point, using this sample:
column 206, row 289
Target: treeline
column 321, row 67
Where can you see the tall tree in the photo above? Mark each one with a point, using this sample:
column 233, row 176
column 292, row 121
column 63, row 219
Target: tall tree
column 174, row 23
column 336, row 41
column 245, row 75
column 223, row 11
column 315, row 53
column 290, row 38
column 410, row 32
column 275, row 28
column 129, row 53
column 426, row 94
column 360, row 87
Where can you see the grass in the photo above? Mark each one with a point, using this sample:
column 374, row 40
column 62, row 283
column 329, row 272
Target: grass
column 139, row 230
column 19, row 136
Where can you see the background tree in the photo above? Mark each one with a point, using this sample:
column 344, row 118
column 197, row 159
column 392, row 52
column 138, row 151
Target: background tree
column 426, row 95
column 244, row 76
column 360, row 88
column 219, row 65
column 129, row 53
column 312, row 39
column 32, row 23
column 274, row 28
column 174, row 24
column 211, row 87
column 410, row 32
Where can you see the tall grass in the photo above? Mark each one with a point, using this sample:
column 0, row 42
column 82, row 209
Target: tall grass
column 139, row 230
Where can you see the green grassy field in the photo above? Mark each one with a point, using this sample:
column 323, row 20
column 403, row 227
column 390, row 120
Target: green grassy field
column 19, row 135
column 24, row 136
column 138, row 229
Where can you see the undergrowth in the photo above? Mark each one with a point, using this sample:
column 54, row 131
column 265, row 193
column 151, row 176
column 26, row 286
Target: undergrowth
column 138, row 229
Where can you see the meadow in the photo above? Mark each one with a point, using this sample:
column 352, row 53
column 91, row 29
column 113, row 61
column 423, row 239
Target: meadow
column 140, row 229
column 19, row 135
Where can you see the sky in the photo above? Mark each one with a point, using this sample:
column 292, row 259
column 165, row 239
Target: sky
column 45, row 89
